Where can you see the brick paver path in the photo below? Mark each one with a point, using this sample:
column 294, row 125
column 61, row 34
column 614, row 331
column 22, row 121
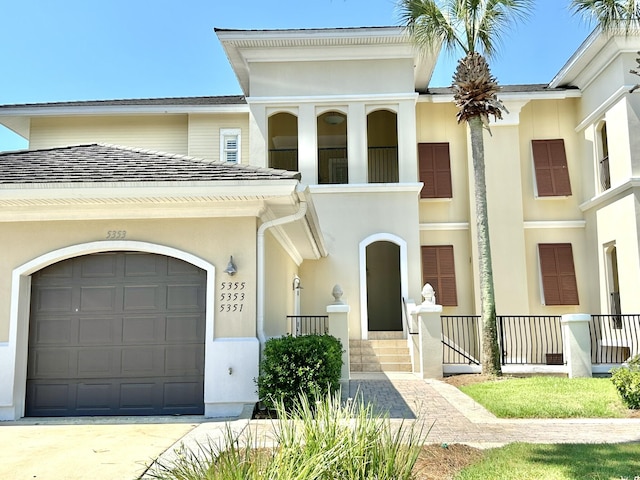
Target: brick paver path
column 455, row 418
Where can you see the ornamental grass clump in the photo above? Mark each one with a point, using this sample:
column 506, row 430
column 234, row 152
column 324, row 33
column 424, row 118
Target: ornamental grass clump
column 321, row 439
column 627, row 381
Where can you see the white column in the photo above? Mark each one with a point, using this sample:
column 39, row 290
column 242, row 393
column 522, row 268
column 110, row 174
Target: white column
column 339, row 328
column 407, row 142
column 357, row 143
column 577, row 344
column 308, row 144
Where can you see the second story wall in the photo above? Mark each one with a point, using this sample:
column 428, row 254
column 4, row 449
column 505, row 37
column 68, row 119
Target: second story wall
column 206, row 132
column 166, row 133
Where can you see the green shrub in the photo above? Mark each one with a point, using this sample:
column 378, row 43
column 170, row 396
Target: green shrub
column 627, row 381
column 308, row 365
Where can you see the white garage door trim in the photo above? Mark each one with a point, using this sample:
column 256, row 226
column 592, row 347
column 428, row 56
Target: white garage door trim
column 13, row 355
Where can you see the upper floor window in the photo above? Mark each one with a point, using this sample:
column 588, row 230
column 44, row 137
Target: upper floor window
column 603, row 158
column 559, row 285
column 382, row 146
column 333, row 166
column 230, row 145
column 438, row 270
column 283, row 141
column 550, row 164
column 435, row 170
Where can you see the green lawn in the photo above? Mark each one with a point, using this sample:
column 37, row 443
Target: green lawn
column 549, row 397
column 557, row 462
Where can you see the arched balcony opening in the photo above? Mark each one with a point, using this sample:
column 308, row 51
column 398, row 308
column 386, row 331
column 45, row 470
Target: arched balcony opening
column 333, row 165
column 283, row 141
column 603, row 157
column 382, row 146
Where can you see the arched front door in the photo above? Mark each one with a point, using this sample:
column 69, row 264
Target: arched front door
column 384, row 297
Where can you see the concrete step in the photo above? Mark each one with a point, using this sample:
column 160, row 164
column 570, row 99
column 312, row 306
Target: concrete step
column 385, row 335
column 379, row 355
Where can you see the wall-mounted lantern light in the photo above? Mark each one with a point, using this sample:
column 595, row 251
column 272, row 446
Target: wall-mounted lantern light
column 231, row 267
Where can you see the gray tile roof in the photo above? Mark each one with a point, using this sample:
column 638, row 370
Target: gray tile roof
column 173, row 101
column 99, row 163
column 536, row 87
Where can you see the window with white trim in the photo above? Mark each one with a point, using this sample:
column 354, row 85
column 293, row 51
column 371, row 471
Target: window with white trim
column 230, row 145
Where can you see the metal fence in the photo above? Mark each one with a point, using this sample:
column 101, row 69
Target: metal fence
column 308, row 324
column 383, row 165
column 523, row 339
column 461, row 339
column 614, row 338
column 530, row 339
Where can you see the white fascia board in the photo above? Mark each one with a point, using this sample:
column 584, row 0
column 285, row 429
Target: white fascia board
column 445, row 226
column 333, row 99
column 509, row 96
column 52, row 110
column 325, row 53
column 322, row 34
column 581, row 57
column 152, row 190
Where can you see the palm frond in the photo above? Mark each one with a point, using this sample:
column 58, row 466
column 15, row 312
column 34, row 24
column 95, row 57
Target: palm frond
column 609, row 15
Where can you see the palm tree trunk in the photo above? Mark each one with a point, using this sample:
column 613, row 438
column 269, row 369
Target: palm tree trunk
column 490, row 350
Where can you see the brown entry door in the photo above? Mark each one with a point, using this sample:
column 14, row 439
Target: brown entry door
column 117, row 334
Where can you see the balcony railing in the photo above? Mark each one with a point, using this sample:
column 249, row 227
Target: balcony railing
column 605, row 177
column 284, row 159
column 383, row 165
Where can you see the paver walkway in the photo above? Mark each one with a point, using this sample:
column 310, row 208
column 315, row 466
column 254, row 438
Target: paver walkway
column 451, row 416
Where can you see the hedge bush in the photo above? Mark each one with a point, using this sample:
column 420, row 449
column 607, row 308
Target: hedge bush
column 309, row 365
column 627, row 381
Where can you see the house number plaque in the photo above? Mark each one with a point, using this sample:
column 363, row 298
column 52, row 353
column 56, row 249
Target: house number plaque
column 116, row 234
column 231, row 296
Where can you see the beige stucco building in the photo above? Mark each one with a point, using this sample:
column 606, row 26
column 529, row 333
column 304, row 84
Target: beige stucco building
column 123, row 223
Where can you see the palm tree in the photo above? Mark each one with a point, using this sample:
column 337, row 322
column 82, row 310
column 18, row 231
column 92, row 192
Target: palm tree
column 474, row 28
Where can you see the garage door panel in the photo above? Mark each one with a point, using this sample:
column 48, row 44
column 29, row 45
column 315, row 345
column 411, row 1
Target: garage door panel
column 98, row 299
column 143, row 297
column 48, row 363
column 184, row 358
column 143, row 329
column 53, row 331
column 86, row 357
column 98, row 266
column 98, row 330
column 97, row 362
column 138, row 265
column 184, row 328
column 184, row 297
column 54, row 299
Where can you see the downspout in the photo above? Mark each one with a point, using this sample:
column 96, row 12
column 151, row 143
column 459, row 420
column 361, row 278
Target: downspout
column 260, row 267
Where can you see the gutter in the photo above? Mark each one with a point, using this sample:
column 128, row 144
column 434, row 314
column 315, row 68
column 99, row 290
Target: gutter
column 260, row 266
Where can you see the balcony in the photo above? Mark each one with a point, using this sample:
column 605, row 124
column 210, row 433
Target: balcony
column 605, row 177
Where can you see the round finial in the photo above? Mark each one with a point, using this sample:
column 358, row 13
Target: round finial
column 337, row 294
column 429, row 295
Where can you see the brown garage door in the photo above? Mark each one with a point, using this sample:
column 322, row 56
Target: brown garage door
column 117, row 334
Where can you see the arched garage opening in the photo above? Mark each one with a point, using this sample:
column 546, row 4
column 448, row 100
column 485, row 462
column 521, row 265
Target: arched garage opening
column 181, row 291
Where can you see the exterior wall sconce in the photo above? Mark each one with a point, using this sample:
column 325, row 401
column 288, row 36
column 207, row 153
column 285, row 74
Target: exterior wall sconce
column 231, row 267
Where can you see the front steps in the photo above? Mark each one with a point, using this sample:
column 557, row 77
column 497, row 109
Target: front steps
column 380, row 353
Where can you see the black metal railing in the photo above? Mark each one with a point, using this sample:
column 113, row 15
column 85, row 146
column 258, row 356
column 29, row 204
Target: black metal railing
column 284, row 159
column 461, row 339
column 383, row 165
column 614, row 338
column 605, row 176
column 530, row 339
column 333, row 166
column 308, row 324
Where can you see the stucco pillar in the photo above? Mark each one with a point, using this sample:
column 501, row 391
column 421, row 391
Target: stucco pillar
column 338, row 313
column 577, row 344
column 357, row 143
column 407, row 141
column 308, row 144
column 430, row 339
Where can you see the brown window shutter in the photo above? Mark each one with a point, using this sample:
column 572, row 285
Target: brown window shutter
column 558, row 274
column 550, row 163
column 438, row 269
column 435, row 170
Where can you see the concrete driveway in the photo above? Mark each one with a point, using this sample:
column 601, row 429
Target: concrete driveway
column 79, row 448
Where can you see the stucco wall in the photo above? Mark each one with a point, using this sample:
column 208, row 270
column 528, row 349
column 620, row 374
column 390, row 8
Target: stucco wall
column 339, row 77
column 212, row 240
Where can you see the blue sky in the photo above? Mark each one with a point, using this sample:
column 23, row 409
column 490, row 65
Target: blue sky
column 56, row 50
